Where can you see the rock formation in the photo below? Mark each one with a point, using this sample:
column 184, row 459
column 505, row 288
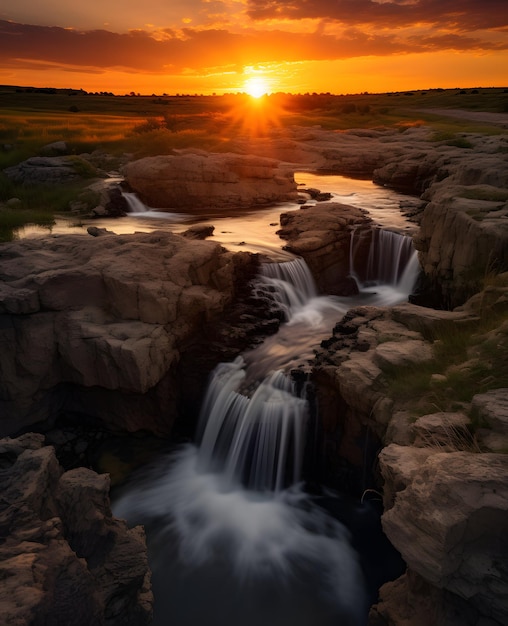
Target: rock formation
column 63, row 557
column 321, row 236
column 444, row 473
column 96, row 325
column 462, row 181
column 191, row 181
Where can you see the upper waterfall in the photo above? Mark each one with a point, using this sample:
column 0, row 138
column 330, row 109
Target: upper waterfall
column 134, row 203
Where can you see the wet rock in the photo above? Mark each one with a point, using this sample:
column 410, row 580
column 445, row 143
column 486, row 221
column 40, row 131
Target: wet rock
column 321, row 235
column 98, row 232
column 199, row 231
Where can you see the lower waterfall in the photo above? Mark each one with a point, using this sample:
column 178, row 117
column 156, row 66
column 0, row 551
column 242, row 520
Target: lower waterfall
column 234, row 539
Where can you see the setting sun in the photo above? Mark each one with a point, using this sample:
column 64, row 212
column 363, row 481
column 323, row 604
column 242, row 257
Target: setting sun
column 256, row 87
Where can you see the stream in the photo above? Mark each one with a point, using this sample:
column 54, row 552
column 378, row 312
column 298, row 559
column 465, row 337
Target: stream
column 234, row 536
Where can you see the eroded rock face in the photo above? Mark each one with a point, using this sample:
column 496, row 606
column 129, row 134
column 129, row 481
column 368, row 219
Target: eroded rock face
column 192, row 181
column 450, row 523
column 444, row 484
column 462, row 240
column 65, row 558
column 96, row 324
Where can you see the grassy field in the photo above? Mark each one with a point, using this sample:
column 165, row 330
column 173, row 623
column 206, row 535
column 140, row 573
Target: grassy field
column 147, row 125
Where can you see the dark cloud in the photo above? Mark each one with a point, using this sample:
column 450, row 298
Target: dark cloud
column 173, row 51
column 460, row 14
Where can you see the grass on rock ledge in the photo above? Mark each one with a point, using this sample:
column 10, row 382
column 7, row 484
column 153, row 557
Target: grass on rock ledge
column 467, row 360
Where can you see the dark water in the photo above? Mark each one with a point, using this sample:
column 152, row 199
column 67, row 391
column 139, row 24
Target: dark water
column 234, row 538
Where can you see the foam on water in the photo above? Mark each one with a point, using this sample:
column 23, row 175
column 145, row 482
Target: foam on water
column 233, row 537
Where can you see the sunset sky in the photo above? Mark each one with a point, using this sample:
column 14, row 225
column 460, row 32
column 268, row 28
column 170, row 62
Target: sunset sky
column 205, row 46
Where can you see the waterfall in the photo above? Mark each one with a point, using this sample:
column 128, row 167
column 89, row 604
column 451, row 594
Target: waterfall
column 391, row 269
column 256, row 441
column 289, row 284
column 134, row 203
column 388, row 256
column 228, row 515
column 233, row 537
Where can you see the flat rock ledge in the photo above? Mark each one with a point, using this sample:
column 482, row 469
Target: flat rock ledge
column 64, row 559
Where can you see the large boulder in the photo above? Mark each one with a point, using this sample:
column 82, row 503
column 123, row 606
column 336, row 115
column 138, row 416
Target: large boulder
column 96, row 325
column 64, row 559
column 51, row 170
column 195, row 181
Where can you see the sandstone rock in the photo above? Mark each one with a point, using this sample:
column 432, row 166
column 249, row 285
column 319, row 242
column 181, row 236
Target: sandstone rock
column 445, row 430
column 402, row 353
column 64, row 558
column 192, row 181
column 450, row 524
column 399, row 465
column 432, row 323
column 491, row 410
column 321, row 235
column 98, row 232
column 461, row 241
column 412, row 601
column 492, row 407
column 54, row 148
column 199, row 231
column 108, row 320
column 412, row 174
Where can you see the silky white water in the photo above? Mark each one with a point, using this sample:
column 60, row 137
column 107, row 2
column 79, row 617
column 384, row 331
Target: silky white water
column 233, row 537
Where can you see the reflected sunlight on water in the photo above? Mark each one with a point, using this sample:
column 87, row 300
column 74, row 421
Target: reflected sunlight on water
column 251, row 231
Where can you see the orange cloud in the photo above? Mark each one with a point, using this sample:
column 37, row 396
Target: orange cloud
column 198, row 49
column 465, row 15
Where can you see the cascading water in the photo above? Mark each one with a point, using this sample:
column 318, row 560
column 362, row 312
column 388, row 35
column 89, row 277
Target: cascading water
column 134, row 203
column 391, row 270
column 233, row 537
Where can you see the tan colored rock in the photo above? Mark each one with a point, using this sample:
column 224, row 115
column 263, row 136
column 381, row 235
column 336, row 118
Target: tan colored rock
column 445, row 430
column 492, row 407
column 412, row 601
column 399, row 465
column 450, row 523
column 192, row 181
column 402, row 353
column 107, row 315
column 321, row 235
column 432, row 323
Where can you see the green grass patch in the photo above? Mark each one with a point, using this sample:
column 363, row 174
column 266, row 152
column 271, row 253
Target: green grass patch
column 490, row 194
column 118, row 124
column 451, row 139
column 38, row 204
column 13, row 219
column 471, row 360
